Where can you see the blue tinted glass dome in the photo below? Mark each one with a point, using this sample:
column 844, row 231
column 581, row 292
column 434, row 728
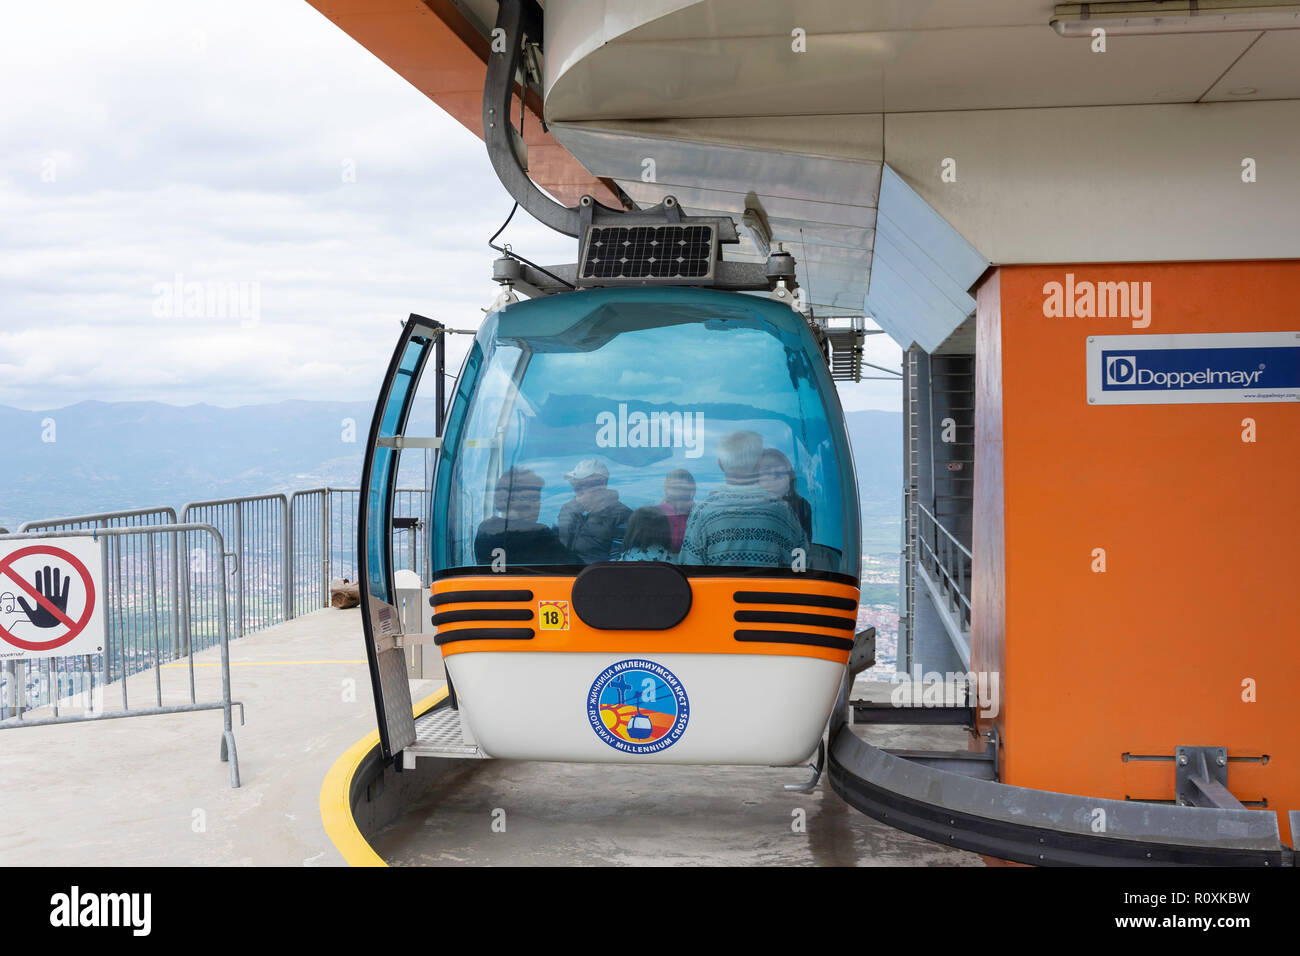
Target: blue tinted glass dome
column 690, row 426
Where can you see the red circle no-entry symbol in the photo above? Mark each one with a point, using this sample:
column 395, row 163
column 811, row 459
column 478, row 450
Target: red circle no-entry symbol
column 72, row 571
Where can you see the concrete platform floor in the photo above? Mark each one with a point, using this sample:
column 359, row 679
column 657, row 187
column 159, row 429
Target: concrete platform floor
column 598, row 814
column 153, row 791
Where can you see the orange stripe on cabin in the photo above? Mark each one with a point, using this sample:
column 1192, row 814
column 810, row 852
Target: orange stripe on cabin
column 709, row 627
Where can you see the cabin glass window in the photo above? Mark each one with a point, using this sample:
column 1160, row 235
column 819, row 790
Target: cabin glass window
column 571, row 418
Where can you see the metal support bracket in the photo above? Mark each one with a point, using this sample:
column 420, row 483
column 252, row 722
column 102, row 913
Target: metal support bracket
column 884, row 712
column 1043, row 827
column 969, row 763
column 1201, row 778
column 863, row 654
column 407, row 441
column 414, row 640
column 817, row 766
column 519, row 22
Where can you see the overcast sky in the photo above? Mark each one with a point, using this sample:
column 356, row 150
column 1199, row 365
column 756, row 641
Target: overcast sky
column 249, row 147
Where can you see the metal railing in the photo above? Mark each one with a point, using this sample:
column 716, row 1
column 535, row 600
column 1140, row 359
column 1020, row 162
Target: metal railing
column 911, row 501
column 309, row 550
column 323, row 541
column 286, row 550
column 947, row 561
column 108, row 519
column 144, row 630
column 257, row 527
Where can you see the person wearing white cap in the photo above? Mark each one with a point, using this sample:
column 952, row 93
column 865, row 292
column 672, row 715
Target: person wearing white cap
column 593, row 522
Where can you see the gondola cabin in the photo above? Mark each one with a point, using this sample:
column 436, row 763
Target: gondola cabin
column 644, row 531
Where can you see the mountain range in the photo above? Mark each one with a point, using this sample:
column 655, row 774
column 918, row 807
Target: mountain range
column 108, row 456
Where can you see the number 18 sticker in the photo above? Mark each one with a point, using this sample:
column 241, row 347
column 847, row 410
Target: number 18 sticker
column 554, row 615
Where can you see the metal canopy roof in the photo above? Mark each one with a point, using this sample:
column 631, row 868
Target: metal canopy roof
column 1065, row 154
column 923, row 269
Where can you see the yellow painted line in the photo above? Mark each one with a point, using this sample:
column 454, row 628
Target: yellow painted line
column 359, row 660
column 335, row 795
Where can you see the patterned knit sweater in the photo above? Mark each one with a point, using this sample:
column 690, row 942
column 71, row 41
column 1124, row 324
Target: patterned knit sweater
column 740, row 525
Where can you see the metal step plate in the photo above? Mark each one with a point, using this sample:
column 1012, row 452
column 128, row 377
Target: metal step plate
column 438, row 734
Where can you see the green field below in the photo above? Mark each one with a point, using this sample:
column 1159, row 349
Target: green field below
column 876, row 593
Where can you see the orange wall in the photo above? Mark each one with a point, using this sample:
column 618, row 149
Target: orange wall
column 1201, row 533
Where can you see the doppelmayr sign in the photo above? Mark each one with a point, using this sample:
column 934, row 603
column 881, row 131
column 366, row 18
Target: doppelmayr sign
column 1209, row 368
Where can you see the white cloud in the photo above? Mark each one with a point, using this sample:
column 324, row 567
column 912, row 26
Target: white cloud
column 151, row 140
column 148, row 140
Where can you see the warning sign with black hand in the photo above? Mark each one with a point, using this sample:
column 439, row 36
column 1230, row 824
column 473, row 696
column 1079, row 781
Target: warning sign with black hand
column 50, row 604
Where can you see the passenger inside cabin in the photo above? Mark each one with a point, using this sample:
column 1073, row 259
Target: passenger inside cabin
column 593, row 522
column 679, row 499
column 776, row 475
column 741, row 524
column 649, row 536
column 514, row 529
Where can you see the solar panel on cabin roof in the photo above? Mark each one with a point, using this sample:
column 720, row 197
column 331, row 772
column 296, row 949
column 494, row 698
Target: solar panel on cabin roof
column 649, row 252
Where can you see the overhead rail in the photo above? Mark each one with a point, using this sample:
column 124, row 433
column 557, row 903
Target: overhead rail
column 519, row 24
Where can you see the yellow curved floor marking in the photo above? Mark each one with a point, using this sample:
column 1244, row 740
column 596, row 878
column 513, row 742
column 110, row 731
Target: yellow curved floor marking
column 335, row 805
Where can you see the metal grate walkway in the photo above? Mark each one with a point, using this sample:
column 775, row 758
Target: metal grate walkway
column 438, row 734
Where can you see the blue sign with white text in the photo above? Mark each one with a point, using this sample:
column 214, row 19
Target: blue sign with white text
column 1170, row 369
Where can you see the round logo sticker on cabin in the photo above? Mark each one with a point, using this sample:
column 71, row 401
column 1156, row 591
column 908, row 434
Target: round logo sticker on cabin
column 638, row 706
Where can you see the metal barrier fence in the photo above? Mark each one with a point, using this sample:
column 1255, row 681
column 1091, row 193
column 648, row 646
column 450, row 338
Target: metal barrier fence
column 309, row 550
column 109, row 519
column 341, row 511
column 287, row 549
column 143, row 630
column 408, row 506
column 257, row 527
column 140, row 578
column 323, row 539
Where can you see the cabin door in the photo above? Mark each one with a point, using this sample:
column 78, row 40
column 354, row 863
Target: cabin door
column 422, row 339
